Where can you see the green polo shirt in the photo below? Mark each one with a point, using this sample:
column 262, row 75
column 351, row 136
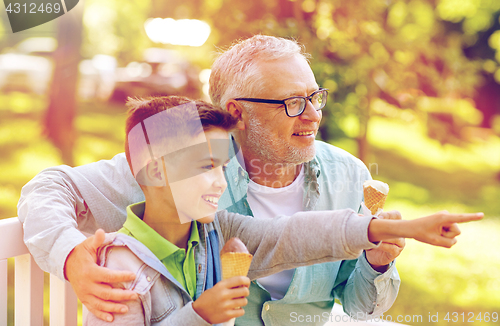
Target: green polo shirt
column 173, row 257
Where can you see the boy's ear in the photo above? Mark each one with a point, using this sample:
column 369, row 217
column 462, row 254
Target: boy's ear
column 235, row 109
column 154, row 175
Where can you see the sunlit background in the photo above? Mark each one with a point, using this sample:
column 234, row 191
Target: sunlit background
column 415, row 93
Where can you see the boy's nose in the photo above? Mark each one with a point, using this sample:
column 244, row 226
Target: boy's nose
column 220, row 179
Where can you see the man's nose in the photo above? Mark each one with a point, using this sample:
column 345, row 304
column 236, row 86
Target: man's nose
column 310, row 113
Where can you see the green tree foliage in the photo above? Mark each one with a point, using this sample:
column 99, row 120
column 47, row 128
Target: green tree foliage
column 377, row 55
column 116, row 28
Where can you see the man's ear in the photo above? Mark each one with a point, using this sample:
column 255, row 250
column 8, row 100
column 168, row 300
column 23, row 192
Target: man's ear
column 154, row 175
column 235, row 109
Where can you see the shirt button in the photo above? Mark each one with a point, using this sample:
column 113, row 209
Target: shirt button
column 148, row 279
column 199, row 268
column 266, row 307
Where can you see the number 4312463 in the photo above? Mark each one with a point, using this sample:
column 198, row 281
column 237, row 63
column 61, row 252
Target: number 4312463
column 32, row 8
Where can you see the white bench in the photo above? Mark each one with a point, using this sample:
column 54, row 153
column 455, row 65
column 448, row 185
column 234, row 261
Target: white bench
column 28, row 303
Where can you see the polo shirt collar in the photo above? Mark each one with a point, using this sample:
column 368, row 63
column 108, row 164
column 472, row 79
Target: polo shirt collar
column 159, row 246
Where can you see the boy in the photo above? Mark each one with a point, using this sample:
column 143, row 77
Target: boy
column 177, row 150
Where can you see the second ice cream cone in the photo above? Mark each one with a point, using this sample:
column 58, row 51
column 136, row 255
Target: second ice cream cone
column 235, row 261
column 235, row 264
column 375, row 193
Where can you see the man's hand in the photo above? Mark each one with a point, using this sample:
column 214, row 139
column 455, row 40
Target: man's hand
column 388, row 250
column 222, row 302
column 91, row 282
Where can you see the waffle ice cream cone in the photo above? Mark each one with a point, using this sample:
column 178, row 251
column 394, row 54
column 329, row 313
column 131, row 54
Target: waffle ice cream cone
column 235, row 264
column 235, row 260
column 375, row 193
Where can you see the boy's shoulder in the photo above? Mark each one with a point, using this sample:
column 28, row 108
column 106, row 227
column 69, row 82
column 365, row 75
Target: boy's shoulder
column 159, row 294
column 135, row 254
column 122, row 252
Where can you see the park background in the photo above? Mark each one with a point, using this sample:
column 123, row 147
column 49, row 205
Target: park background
column 415, row 93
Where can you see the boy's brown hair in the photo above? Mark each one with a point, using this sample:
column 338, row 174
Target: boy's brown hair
column 183, row 120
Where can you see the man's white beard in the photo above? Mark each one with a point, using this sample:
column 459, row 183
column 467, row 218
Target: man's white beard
column 260, row 141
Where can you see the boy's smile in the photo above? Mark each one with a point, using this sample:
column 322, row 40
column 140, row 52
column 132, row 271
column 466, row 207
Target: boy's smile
column 211, row 200
column 199, row 176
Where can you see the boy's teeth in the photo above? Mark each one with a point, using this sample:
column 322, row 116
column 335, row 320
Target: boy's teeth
column 210, row 199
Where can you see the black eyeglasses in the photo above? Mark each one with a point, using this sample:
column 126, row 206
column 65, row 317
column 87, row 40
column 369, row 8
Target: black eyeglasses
column 295, row 106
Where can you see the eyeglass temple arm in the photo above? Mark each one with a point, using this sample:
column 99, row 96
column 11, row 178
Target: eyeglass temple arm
column 258, row 100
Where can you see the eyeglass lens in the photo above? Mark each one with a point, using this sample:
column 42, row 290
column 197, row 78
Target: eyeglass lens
column 296, row 105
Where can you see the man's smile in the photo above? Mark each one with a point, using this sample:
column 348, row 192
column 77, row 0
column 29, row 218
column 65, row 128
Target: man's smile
column 304, row 133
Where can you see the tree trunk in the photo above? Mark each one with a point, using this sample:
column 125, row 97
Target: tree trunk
column 363, row 145
column 62, row 94
column 363, row 148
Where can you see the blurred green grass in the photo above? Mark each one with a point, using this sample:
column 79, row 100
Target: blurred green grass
column 424, row 177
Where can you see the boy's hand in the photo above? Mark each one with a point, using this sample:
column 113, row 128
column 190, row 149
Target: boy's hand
column 440, row 229
column 221, row 303
column 91, row 282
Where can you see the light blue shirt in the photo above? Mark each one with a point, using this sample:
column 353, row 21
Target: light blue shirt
column 333, row 180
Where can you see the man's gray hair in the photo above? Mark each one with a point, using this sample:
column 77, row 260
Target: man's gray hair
column 234, row 73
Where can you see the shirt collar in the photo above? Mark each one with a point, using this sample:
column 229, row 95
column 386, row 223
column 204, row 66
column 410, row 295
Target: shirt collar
column 234, row 198
column 161, row 247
